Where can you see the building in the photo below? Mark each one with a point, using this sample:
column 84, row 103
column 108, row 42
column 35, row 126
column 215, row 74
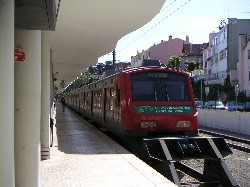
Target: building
column 122, row 65
column 225, row 52
column 173, row 47
column 164, row 50
column 193, row 52
column 206, row 55
column 243, row 65
column 136, row 60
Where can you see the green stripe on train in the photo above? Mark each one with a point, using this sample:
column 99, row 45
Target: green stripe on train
column 163, row 109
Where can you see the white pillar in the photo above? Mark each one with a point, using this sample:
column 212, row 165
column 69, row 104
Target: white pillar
column 7, row 172
column 28, row 109
column 45, row 105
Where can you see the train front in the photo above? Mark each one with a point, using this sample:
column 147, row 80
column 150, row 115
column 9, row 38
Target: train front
column 158, row 101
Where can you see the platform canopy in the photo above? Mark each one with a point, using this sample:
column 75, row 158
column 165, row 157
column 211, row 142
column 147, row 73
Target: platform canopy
column 83, row 30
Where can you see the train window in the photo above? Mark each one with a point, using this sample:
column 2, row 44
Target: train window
column 118, row 96
column 111, row 92
column 99, row 94
column 82, row 98
column 143, row 90
column 111, row 99
column 172, row 87
column 99, row 101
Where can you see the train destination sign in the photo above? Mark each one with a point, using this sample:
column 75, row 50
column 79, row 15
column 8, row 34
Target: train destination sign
column 163, row 109
column 158, row 75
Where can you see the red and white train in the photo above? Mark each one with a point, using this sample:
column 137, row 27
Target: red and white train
column 152, row 109
column 140, row 102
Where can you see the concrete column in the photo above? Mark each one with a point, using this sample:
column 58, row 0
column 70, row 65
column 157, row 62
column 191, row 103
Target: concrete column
column 28, row 109
column 45, row 105
column 7, row 172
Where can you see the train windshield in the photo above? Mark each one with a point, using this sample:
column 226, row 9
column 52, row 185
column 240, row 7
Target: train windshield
column 159, row 86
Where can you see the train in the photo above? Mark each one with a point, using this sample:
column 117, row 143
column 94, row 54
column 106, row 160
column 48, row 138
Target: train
column 152, row 110
column 148, row 101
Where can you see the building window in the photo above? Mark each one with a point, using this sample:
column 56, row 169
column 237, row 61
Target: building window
column 221, row 55
column 249, row 54
column 222, row 36
column 216, row 40
column 198, row 60
column 216, row 58
column 249, row 76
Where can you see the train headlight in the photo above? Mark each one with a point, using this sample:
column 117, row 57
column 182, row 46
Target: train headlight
column 183, row 124
column 148, row 124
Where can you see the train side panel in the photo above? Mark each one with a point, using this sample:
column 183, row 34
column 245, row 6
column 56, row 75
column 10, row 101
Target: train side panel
column 97, row 109
column 111, row 104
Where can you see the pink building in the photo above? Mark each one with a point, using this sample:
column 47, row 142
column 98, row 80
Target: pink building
column 166, row 49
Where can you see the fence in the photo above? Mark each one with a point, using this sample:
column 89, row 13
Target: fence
column 232, row 121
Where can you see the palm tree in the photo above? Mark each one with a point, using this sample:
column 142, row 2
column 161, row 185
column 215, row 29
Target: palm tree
column 174, row 62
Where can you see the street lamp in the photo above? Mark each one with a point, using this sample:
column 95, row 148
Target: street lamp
column 201, row 90
column 201, row 84
column 236, row 90
column 206, row 91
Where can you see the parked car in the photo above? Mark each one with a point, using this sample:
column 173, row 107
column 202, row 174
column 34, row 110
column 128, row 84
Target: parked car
column 231, row 105
column 246, row 107
column 218, row 105
column 198, row 104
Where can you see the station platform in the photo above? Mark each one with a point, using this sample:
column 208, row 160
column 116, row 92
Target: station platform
column 83, row 156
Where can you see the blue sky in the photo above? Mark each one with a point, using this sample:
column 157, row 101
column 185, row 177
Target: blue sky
column 195, row 18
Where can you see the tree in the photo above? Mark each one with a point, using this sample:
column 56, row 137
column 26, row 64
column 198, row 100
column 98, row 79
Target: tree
column 191, row 66
column 92, row 69
column 100, row 67
column 174, row 62
column 109, row 65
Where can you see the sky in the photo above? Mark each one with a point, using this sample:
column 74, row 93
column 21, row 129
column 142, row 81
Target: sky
column 179, row 18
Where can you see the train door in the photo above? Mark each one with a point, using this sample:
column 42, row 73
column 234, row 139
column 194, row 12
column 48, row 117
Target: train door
column 84, row 102
column 105, row 105
column 117, row 112
column 92, row 102
column 111, row 106
column 78, row 102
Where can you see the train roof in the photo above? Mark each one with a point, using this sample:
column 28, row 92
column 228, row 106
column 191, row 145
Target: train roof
column 112, row 73
column 148, row 68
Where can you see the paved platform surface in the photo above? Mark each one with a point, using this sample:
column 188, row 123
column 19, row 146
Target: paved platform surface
column 82, row 156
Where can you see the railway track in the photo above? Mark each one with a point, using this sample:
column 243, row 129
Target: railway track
column 232, row 141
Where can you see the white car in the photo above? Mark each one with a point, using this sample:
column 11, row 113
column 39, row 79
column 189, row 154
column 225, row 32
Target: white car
column 218, row 105
column 233, row 106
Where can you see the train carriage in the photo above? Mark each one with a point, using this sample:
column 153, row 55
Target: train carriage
column 143, row 102
column 72, row 99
